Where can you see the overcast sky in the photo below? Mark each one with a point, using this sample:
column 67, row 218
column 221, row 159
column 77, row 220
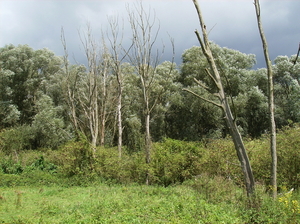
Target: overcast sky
column 232, row 24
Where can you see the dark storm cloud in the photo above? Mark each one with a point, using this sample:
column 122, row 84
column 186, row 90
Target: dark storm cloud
column 232, row 23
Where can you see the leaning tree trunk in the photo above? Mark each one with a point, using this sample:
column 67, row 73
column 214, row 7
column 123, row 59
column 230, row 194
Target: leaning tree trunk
column 224, row 105
column 240, row 150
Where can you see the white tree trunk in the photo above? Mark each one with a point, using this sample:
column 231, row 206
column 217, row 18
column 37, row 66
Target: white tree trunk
column 120, row 127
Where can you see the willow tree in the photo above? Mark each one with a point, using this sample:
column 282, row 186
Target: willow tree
column 223, row 103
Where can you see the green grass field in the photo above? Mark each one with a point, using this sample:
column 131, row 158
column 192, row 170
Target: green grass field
column 190, row 183
column 111, row 204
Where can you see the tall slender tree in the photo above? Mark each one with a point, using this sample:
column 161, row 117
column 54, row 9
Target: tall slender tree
column 118, row 54
column 145, row 59
column 270, row 99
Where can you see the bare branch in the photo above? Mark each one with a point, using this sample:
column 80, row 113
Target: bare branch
column 212, row 77
column 297, row 55
column 201, row 84
column 63, row 40
column 211, row 29
column 200, row 41
column 207, row 100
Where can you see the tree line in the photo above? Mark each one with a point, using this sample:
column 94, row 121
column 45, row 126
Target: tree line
column 48, row 102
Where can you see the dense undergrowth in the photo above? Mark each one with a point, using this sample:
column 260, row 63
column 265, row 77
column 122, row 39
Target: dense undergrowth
column 172, row 161
column 208, row 173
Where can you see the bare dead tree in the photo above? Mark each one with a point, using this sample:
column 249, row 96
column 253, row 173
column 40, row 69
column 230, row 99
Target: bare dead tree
column 69, row 84
column 270, row 100
column 118, row 54
column 222, row 103
column 145, row 58
column 141, row 56
column 92, row 93
column 89, row 102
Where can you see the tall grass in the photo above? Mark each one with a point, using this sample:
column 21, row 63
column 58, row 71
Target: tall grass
column 186, row 203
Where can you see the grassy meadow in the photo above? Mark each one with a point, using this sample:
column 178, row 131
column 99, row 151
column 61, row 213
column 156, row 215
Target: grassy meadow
column 112, row 204
column 191, row 202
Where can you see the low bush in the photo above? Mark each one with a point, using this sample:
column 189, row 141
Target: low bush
column 288, row 144
column 130, row 168
column 33, row 178
column 25, row 161
column 13, row 140
column 175, row 161
column 265, row 209
column 74, row 158
column 288, row 153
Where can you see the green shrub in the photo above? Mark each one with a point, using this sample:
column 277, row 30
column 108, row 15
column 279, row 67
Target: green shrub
column 41, row 164
column 263, row 209
column 260, row 158
column 290, row 206
column 172, row 161
column 75, row 157
column 221, row 160
column 33, row 178
column 175, row 161
column 288, row 153
column 16, row 139
column 130, row 168
column 8, row 166
column 25, row 161
column 288, row 149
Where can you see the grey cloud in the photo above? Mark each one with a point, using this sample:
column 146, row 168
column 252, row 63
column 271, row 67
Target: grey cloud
column 232, row 23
